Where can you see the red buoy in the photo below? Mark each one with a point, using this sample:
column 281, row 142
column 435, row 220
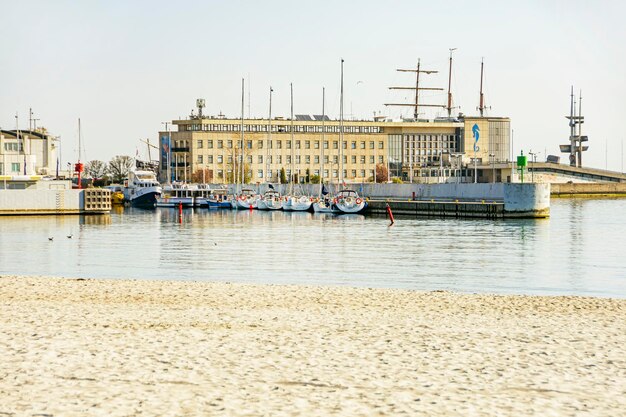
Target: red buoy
column 390, row 214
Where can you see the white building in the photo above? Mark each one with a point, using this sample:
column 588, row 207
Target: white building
column 27, row 152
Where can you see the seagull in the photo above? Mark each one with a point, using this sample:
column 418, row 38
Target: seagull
column 69, row 236
column 51, row 239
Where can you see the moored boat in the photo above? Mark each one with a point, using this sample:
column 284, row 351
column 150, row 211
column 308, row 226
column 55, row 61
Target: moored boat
column 175, row 195
column 271, row 200
column 218, row 199
column 142, row 189
column 348, row 201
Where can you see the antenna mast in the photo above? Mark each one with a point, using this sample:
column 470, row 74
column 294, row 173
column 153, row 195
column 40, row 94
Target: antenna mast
column 449, row 85
column 417, row 89
column 481, row 105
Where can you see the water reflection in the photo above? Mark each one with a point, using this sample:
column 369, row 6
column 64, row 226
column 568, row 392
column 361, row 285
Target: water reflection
column 578, row 250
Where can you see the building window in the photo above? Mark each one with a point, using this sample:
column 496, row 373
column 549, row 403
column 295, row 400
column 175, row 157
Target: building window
column 372, row 144
column 269, row 160
column 307, row 144
column 249, row 159
column 345, row 173
column 200, row 159
column 371, row 159
column 288, row 144
column 345, row 159
column 220, row 144
column 210, row 144
column 335, row 172
column 220, row 173
column 362, row 173
column 200, row 143
column 316, row 159
column 260, row 144
column 230, row 144
column 335, row 159
column 380, row 159
column 230, row 159
column 280, row 159
column 325, row 144
column 316, row 144
column 335, row 144
column 288, row 159
column 345, row 145
column 381, row 145
column 353, row 159
column 220, row 159
column 298, row 159
column 325, row 173
column 307, row 159
column 325, row 159
column 15, row 167
column 260, row 159
column 353, row 145
column 297, row 144
column 362, row 144
column 279, row 144
column 249, row 144
column 210, row 159
column 354, row 173
column 362, row 159
column 259, row 173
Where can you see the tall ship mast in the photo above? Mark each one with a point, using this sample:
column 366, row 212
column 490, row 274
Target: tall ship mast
column 416, row 106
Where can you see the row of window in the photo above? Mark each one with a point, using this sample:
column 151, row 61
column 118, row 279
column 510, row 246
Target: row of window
column 279, row 144
column 278, row 128
column 335, row 173
column 298, row 158
column 13, row 147
column 15, row 167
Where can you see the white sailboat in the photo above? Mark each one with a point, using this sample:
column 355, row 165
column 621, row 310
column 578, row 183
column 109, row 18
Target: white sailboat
column 324, row 204
column 295, row 201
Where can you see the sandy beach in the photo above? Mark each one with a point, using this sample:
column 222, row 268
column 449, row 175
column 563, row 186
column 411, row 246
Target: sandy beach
column 122, row 348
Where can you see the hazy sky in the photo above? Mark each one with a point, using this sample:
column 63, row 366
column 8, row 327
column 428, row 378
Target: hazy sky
column 124, row 67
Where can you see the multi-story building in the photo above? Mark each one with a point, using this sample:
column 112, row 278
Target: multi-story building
column 418, row 151
column 27, row 152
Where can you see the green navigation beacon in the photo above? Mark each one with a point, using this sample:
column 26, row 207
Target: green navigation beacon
column 521, row 164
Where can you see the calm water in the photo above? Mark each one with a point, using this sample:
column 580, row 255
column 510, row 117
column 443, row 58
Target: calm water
column 580, row 250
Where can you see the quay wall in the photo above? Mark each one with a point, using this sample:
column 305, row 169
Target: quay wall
column 54, row 201
column 599, row 189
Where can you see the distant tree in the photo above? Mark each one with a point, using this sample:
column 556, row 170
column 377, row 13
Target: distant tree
column 307, row 179
column 315, row 179
column 95, row 169
column 119, row 167
column 283, row 176
column 382, row 173
column 202, row 176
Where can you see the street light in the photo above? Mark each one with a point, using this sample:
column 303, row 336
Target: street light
column 492, row 161
column 533, row 156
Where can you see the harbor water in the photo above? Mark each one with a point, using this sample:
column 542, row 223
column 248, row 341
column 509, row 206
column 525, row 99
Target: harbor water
column 579, row 250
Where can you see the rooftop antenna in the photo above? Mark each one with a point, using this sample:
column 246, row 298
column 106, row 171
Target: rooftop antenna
column 449, row 84
column 481, row 105
column 417, row 89
column 200, row 104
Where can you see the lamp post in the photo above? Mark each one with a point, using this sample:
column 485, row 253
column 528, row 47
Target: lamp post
column 492, row 161
column 533, row 157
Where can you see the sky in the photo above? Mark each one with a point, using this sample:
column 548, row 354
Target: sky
column 124, row 67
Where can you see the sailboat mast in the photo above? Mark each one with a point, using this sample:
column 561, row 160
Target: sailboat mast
column 242, row 107
column 293, row 145
column 341, row 179
column 580, row 122
column 323, row 139
column 269, row 139
column 417, row 90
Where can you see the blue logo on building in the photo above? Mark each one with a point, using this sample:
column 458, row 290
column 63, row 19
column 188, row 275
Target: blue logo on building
column 476, row 134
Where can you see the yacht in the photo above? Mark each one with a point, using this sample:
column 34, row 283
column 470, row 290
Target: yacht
column 142, row 189
column 176, row 194
column 348, row 201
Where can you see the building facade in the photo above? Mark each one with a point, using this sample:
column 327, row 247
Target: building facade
column 418, row 151
column 27, row 152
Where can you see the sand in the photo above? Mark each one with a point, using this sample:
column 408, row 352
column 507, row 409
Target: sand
column 151, row 348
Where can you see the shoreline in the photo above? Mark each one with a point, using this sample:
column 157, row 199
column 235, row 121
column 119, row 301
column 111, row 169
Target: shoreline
column 119, row 347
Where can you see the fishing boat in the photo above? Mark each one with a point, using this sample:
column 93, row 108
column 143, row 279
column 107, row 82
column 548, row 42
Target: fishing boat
column 218, row 199
column 142, row 189
column 175, row 195
column 348, row 201
column 271, row 200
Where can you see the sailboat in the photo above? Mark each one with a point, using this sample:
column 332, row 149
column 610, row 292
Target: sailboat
column 324, row 204
column 297, row 201
column 271, row 200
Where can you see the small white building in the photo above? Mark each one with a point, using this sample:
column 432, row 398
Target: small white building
column 27, row 152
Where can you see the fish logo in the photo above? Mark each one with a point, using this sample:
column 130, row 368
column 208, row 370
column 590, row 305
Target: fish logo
column 476, row 134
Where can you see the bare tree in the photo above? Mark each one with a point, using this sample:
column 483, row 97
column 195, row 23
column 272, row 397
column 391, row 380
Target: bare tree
column 120, row 166
column 382, row 173
column 202, row 175
column 95, row 169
